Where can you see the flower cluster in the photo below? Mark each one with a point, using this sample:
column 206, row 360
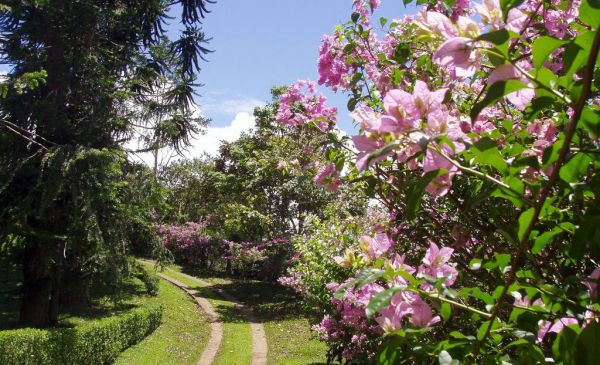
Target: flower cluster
column 189, row 242
column 302, row 104
column 349, row 317
column 478, row 129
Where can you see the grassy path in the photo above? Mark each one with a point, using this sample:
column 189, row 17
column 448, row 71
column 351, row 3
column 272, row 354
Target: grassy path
column 216, row 333
column 285, row 326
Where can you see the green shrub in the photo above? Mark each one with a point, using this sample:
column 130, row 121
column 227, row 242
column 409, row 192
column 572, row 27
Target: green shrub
column 97, row 342
column 150, row 280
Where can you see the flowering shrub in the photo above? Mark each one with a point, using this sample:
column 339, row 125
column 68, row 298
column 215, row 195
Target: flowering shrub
column 479, row 128
column 190, row 244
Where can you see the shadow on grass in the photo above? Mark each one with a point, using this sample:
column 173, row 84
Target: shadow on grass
column 270, row 302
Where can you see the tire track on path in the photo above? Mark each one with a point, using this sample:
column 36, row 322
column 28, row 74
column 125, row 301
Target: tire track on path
column 259, row 339
column 216, row 332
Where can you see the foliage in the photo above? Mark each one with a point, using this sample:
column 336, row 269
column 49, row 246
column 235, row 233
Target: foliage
column 98, row 342
column 85, row 78
column 246, row 193
column 478, row 133
column 150, row 280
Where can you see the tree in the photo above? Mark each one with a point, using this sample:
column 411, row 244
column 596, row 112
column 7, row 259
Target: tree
column 258, row 187
column 108, row 69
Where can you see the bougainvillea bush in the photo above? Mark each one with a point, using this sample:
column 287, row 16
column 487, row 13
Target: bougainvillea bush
column 191, row 244
column 478, row 132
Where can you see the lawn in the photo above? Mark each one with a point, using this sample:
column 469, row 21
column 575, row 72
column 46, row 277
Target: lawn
column 181, row 337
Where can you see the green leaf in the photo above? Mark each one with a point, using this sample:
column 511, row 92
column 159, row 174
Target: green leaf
column 588, row 345
column 479, row 294
column 576, row 167
column 402, row 53
column 524, row 221
column 564, row 348
column 383, row 21
column 486, row 152
column 416, row 192
column 542, row 48
column 391, row 351
column 576, row 53
column 589, row 13
column 381, row 300
column 381, row 152
column 590, row 120
column 365, row 277
column 475, row 264
column 537, row 105
column 445, row 311
column 544, row 239
column 497, row 37
column 494, row 93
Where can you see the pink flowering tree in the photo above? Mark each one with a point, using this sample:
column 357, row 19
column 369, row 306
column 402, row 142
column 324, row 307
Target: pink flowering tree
column 478, row 131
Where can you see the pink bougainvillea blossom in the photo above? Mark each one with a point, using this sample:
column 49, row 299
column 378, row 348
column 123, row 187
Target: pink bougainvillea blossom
column 435, row 264
column 376, row 246
column 365, row 146
column 368, row 119
column 460, row 55
column 520, row 98
column 328, row 177
column 302, row 104
column 556, row 327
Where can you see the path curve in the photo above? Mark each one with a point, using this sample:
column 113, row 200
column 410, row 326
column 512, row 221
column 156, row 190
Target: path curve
column 259, row 339
column 216, row 326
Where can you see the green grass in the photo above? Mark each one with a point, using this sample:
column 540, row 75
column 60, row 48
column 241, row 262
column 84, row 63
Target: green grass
column 287, row 326
column 236, row 347
column 181, row 337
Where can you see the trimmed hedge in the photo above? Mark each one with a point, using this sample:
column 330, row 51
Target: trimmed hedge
column 97, row 342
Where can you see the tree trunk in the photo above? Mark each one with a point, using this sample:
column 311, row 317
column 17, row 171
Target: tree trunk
column 36, row 289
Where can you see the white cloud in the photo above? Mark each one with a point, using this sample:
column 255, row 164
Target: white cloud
column 210, row 141
column 212, row 106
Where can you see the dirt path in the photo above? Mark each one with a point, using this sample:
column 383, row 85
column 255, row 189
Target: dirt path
column 259, row 339
column 216, row 332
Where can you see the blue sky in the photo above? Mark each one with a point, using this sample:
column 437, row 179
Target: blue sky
column 262, row 43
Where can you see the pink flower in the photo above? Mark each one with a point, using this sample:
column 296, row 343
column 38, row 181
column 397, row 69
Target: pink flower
column 491, row 14
column 368, row 119
column 520, row 98
column 438, row 23
column 434, row 161
column 401, row 112
column 404, row 110
column 282, row 165
column 422, row 315
column 435, row 264
column 365, row 146
column 328, row 177
column 378, row 245
column 547, row 326
column 458, row 54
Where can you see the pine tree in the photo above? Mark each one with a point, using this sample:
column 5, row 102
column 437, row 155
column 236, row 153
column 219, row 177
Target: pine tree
column 104, row 70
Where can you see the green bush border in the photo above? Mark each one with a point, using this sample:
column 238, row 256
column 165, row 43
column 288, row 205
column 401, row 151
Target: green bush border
column 97, row 342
